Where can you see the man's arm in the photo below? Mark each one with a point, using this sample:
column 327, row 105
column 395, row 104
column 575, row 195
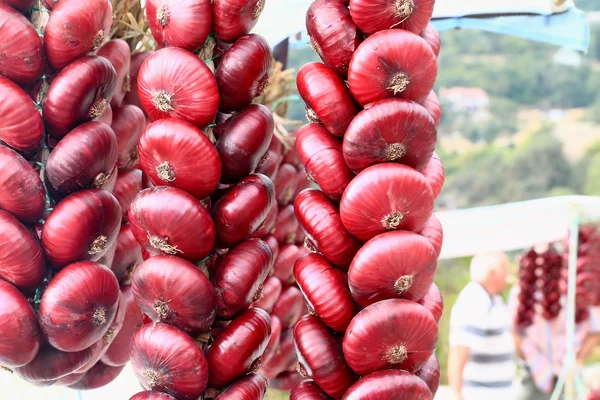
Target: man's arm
column 457, row 359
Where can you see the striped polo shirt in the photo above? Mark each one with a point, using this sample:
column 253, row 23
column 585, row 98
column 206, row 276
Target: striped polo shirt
column 481, row 322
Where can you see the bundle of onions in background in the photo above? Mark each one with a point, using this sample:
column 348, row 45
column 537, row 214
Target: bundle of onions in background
column 370, row 228
column 528, row 279
column 67, row 144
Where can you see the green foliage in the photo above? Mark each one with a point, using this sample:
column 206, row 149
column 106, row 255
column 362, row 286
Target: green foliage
column 592, row 180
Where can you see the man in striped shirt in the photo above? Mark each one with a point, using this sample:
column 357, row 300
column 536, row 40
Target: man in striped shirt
column 481, row 361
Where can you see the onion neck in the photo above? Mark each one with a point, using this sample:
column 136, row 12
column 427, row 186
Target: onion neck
column 126, row 84
column 259, row 293
column 258, row 9
column 163, row 245
column 255, row 366
column 166, row 172
column 100, row 180
column 162, row 16
column 395, row 151
column 309, row 245
column 404, row 9
column 315, row 46
column 403, row 284
column 152, row 378
column 162, row 101
column 399, row 83
column 311, row 310
column 392, row 220
column 311, row 116
column 396, row 354
column 109, row 336
column 98, row 39
column 162, row 309
column 99, row 316
column 302, row 371
column 264, row 83
column 98, row 245
column 98, row 108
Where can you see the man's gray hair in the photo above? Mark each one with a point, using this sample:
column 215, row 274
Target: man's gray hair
column 483, row 264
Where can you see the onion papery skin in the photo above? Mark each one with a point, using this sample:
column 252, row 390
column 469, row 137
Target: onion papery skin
column 233, row 19
column 243, row 209
column 273, row 340
column 326, row 291
column 166, row 220
column 270, row 293
column 325, row 232
column 21, row 125
column 283, row 269
column 434, row 233
column 118, row 351
column 128, row 254
column 21, row 5
column 250, row 387
column 285, row 183
column 369, row 346
column 432, row 105
column 117, row 52
column 386, row 197
column 176, row 153
column 239, row 276
column 321, row 154
column 434, row 173
column 373, row 16
column 79, row 93
column 127, row 186
column 21, row 337
column 22, row 192
column 320, row 357
column 79, row 305
column 243, row 72
column 430, row 373
column 51, row 364
column 327, row 96
column 173, row 291
column 152, row 395
column 308, row 390
column 74, row 29
column 332, row 33
column 392, row 265
column 174, row 83
column 165, row 359
column 283, row 358
column 391, row 384
column 21, row 258
column 268, row 226
column 179, row 23
column 392, row 63
column 391, row 130
column 100, row 375
column 83, row 226
column 239, row 348
column 432, row 37
column 84, row 158
column 128, row 124
column 132, row 97
column 243, row 141
column 22, row 54
column 289, row 306
column 286, row 225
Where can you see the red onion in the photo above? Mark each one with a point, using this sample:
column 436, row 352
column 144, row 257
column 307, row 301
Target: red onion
column 79, row 305
column 21, row 258
column 285, row 183
column 325, row 232
column 243, row 141
column 83, row 226
column 326, row 96
column 434, row 233
column 117, row 52
column 320, row 357
column 239, row 276
column 286, row 381
column 433, row 302
column 243, row 209
column 100, row 375
column 392, row 63
column 176, row 153
column 434, row 173
column 272, row 159
column 22, row 5
column 373, row 16
column 79, row 93
column 128, row 124
column 273, row 244
column 173, row 291
column 233, row 19
column 289, row 306
column 386, row 197
column 432, row 37
column 21, row 124
column 20, row 339
column 107, row 116
column 151, row 395
column 273, row 340
column 127, row 186
column 70, row 379
column 286, row 225
column 51, row 364
column 243, row 72
column 167, row 360
column 391, row 384
column 179, row 23
column 118, row 351
column 284, row 357
column 239, row 348
column 322, row 157
column 268, row 226
column 369, row 345
column 283, row 269
column 21, row 48
column 175, row 83
column 308, row 390
column 333, row 34
column 391, row 130
column 250, row 387
column 132, row 97
column 74, row 29
column 270, row 293
column 22, row 192
column 325, row 289
column 430, row 373
column 84, row 158
column 127, row 254
column 166, row 220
